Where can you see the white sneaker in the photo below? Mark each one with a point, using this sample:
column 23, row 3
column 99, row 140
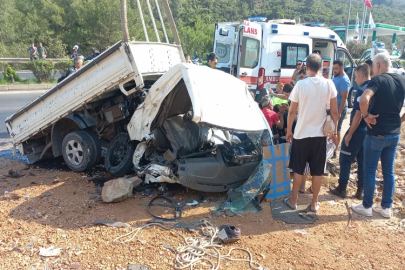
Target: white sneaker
column 384, row 212
column 359, row 208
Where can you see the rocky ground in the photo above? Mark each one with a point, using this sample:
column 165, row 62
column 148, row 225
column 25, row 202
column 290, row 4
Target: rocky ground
column 46, row 205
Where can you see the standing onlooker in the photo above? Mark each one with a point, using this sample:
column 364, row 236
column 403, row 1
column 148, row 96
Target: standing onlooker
column 187, row 58
column 352, row 143
column 212, row 60
column 33, row 52
column 78, row 61
column 42, row 52
column 302, row 74
column 369, row 62
column 386, row 92
column 311, row 95
column 342, row 83
column 295, row 76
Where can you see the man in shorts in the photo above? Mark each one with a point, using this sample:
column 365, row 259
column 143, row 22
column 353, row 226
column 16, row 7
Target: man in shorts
column 342, row 83
column 311, row 95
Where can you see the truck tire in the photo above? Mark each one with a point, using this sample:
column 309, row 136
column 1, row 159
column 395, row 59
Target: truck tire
column 97, row 144
column 79, row 151
column 118, row 160
column 350, row 98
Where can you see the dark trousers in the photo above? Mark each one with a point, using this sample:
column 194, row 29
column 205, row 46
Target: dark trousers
column 348, row 155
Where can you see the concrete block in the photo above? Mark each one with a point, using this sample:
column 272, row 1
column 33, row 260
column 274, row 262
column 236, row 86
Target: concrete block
column 18, row 87
column 3, row 87
column 37, row 86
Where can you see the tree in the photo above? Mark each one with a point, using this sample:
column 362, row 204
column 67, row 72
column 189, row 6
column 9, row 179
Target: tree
column 124, row 21
column 96, row 24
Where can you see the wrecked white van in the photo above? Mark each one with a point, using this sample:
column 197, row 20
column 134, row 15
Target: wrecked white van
column 198, row 127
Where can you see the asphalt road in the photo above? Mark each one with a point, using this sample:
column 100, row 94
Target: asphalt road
column 10, row 102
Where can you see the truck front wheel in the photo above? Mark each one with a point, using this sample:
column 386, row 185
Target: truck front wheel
column 79, row 151
column 118, row 160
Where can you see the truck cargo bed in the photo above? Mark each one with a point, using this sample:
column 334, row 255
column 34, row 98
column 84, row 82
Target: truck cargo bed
column 122, row 63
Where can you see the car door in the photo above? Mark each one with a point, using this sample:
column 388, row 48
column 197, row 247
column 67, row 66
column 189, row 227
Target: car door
column 224, row 46
column 366, row 56
column 348, row 62
column 248, row 60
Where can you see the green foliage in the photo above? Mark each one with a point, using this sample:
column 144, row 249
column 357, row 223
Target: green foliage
column 19, row 66
column 357, row 49
column 96, row 24
column 63, row 66
column 10, row 75
column 42, row 70
column 401, row 63
column 3, row 66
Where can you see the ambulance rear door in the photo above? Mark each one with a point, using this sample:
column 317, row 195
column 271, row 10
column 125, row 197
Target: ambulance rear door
column 248, row 57
column 224, row 45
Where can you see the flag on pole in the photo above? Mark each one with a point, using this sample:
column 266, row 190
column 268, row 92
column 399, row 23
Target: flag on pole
column 371, row 22
column 357, row 26
column 368, row 3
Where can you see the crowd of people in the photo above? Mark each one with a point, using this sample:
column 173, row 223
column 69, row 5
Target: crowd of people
column 312, row 112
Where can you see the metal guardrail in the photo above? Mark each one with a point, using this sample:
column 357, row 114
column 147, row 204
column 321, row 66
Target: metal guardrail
column 26, row 60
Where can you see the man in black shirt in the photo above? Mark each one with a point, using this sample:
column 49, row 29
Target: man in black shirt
column 352, row 144
column 385, row 93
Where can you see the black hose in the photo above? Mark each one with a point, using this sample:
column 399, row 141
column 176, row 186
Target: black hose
column 178, row 211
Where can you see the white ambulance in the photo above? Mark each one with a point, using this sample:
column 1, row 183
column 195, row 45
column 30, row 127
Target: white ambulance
column 264, row 52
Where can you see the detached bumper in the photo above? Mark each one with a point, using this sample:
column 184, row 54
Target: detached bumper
column 210, row 174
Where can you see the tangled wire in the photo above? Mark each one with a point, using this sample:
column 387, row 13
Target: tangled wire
column 196, row 249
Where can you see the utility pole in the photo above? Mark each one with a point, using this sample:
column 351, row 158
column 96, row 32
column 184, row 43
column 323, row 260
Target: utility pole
column 348, row 21
column 124, row 21
column 362, row 24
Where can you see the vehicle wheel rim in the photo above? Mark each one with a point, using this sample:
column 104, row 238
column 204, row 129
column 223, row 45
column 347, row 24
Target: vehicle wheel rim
column 74, row 152
column 118, row 154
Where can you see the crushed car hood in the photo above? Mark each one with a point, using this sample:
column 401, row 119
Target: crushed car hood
column 218, row 99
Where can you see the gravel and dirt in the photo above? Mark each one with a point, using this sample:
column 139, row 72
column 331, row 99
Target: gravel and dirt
column 47, row 205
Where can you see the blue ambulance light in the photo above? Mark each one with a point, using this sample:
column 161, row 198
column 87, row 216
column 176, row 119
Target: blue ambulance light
column 306, row 33
column 274, row 26
column 274, row 31
column 257, row 19
column 332, row 36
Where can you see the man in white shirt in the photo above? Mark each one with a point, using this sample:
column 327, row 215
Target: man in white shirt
column 312, row 96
